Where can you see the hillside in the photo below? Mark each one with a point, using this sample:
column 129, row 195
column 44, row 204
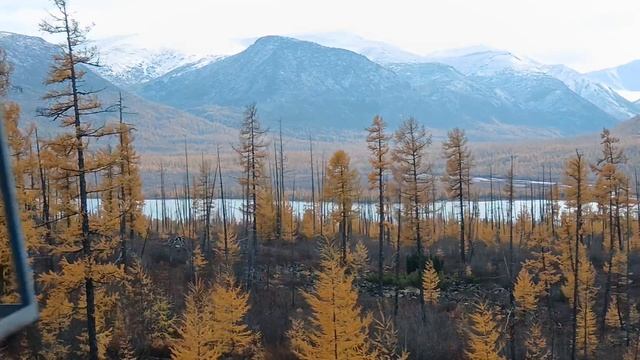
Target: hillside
column 160, row 127
column 309, row 86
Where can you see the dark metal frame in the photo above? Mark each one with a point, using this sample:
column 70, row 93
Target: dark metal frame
column 14, row 317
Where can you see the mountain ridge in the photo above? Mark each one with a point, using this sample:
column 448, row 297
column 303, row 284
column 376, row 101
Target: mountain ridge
column 332, row 90
column 307, row 84
column 31, row 58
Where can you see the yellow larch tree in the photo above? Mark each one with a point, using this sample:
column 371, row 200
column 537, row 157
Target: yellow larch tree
column 586, row 278
column 289, row 223
column 577, row 194
column 378, row 144
column 430, row 283
column 587, row 339
column 306, row 229
column 358, row 261
column 341, row 188
column 536, row 344
column 612, row 318
column 586, row 328
column 266, row 216
column 484, row 334
column 199, row 262
column 85, row 269
column 526, row 292
column 227, row 309
column 412, row 173
column 457, row 179
column 195, row 330
column 131, row 199
column 337, row 329
column 146, row 309
column 543, row 263
column 22, row 165
column 227, row 246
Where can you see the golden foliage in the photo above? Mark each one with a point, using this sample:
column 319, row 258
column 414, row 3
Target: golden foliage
column 586, row 276
column 342, row 182
column 227, row 245
column 289, row 223
column 199, row 261
column 228, row 306
column 23, row 165
column 306, row 229
column 378, row 144
column 266, row 215
column 213, row 323
column 148, row 313
column 430, row 284
column 587, row 339
column 612, row 317
column 536, row 344
column 526, row 292
column 195, row 330
column 484, row 335
column 358, row 260
column 337, row 329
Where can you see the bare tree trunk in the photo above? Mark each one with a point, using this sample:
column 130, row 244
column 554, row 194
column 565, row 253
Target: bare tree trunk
column 397, row 255
column 463, row 258
column 224, row 213
column 46, row 217
column 313, row 190
column 512, row 329
column 380, row 218
column 576, row 265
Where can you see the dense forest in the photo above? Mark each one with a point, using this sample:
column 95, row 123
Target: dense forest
column 372, row 268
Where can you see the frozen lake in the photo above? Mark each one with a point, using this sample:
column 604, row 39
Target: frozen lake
column 175, row 207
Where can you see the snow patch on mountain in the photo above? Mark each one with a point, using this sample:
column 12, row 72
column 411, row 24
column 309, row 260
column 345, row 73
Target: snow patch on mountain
column 600, row 95
column 630, row 95
column 624, row 78
column 126, row 64
column 486, row 62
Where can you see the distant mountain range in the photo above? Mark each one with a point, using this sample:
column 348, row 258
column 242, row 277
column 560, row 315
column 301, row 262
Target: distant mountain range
column 330, row 90
column 309, row 86
column 128, row 65
column 624, row 79
column 31, row 58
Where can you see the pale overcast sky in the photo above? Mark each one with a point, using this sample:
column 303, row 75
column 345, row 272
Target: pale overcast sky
column 584, row 34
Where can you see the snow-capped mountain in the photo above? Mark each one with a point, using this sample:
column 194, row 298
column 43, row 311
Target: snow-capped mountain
column 487, row 62
column 130, row 66
column 493, row 94
column 309, row 86
column 127, row 65
column 625, row 79
column 599, row 94
column 31, row 58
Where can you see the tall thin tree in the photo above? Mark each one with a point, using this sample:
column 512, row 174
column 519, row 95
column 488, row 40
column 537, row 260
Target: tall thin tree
column 457, row 178
column 378, row 143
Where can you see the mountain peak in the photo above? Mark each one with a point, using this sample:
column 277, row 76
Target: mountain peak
column 26, row 40
column 376, row 51
column 486, row 61
column 277, row 40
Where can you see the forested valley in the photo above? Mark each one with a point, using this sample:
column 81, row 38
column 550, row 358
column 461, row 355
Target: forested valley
column 373, row 266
